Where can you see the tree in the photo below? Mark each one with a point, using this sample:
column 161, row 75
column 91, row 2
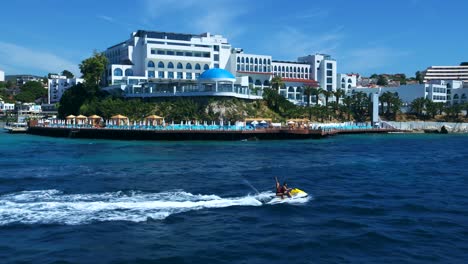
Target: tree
column 418, row 105
column 277, row 83
column 93, row 68
column 68, row 74
column 308, row 90
column 382, row 80
column 339, row 94
column 374, row 76
column 419, row 77
column 327, row 95
column 31, row 91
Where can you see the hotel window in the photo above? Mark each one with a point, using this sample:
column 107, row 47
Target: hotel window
column 256, row 61
column 242, row 67
column 275, row 68
column 128, row 72
column 179, row 75
column 197, row 54
column 329, row 73
column 216, row 48
column 179, row 66
column 160, row 65
column 153, row 51
column 188, row 66
column 179, row 53
column 242, row 60
column 170, row 52
column 216, row 57
column 264, row 61
column 170, row 65
column 256, row 68
column 161, row 74
column 238, row 59
column 161, row 52
column 197, row 66
column 188, row 54
column 329, row 66
column 188, row 75
column 150, row 64
column 197, row 75
column 216, row 65
column 117, row 72
column 238, row 67
column 251, row 60
column 170, row 75
column 206, row 67
column 329, row 87
column 329, row 80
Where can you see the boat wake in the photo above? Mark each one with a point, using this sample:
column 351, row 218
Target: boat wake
column 55, row 207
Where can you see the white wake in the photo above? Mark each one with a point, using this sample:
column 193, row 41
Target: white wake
column 55, row 207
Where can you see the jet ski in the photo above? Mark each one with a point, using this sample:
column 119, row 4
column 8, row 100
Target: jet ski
column 295, row 194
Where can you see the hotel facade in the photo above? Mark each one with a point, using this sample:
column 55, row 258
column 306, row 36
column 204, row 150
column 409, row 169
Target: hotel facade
column 57, row 85
column 159, row 64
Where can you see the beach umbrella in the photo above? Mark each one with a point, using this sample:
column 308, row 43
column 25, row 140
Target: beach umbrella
column 263, row 122
column 254, row 122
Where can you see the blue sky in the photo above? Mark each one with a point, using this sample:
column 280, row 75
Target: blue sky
column 399, row 36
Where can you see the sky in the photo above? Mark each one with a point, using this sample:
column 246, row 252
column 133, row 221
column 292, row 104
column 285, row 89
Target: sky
column 364, row 36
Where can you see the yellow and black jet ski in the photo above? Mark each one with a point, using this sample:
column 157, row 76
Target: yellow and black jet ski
column 295, row 193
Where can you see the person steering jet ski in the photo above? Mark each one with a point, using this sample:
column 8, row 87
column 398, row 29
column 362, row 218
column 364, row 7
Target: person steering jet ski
column 282, row 190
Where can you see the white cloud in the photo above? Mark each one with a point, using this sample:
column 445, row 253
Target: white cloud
column 106, row 18
column 289, row 43
column 18, row 58
column 372, row 59
column 196, row 16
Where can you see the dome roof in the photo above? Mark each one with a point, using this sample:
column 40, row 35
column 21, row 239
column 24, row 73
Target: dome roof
column 217, row 74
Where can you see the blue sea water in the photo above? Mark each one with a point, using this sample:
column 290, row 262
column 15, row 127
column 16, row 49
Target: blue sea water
column 373, row 199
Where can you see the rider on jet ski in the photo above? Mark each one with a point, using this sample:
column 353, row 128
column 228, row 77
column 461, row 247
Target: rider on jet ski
column 282, row 190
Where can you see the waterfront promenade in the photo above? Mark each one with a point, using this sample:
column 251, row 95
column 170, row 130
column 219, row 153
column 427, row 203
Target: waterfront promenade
column 195, row 132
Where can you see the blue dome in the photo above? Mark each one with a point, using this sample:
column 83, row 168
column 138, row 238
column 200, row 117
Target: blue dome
column 216, row 73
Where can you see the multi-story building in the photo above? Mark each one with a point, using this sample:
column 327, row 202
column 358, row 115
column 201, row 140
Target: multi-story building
column 347, row 81
column 323, row 69
column 459, row 73
column 2, row 76
column 57, row 85
column 153, row 63
column 21, row 79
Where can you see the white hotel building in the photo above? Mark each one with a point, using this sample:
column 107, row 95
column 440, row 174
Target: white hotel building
column 459, row 73
column 2, row 76
column 158, row 64
column 57, row 85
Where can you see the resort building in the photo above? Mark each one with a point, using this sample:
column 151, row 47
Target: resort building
column 323, row 70
column 159, row 64
column 446, row 73
column 6, row 106
column 347, row 81
column 20, row 80
column 2, row 76
column 57, row 85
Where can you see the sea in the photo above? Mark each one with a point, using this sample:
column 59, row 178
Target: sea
column 393, row 198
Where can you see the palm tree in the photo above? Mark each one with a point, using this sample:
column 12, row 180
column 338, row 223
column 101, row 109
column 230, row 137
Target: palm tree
column 385, row 98
column 327, row 94
column 308, row 90
column 277, row 83
column 339, row 94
